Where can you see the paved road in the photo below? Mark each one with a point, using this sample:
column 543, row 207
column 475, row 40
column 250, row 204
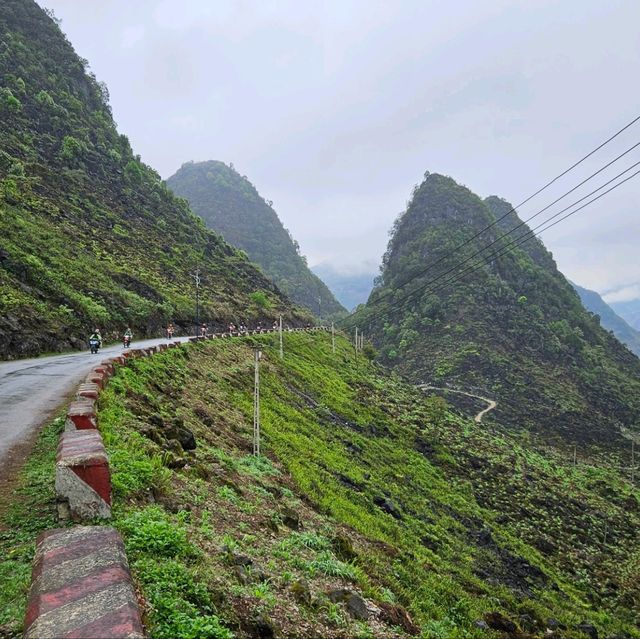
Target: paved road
column 32, row 390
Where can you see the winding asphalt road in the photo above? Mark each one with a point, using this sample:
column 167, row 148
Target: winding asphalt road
column 32, row 390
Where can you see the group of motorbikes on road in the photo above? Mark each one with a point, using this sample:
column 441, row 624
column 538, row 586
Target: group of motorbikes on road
column 95, row 339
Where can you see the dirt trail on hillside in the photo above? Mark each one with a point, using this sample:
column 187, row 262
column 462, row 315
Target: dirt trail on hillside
column 491, row 404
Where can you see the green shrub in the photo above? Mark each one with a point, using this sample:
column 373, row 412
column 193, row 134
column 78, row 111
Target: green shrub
column 9, row 101
column 71, row 148
column 44, row 98
column 10, row 191
column 16, row 168
column 133, row 172
column 328, row 565
column 260, row 300
column 152, row 531
column 134, row 473
column 180, row 607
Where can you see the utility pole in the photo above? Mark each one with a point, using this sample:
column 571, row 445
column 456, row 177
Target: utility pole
column 197, row 280
column 256, row 404
column 280, row 331
column 633, row 461
column 333, row 338
column 355, row 341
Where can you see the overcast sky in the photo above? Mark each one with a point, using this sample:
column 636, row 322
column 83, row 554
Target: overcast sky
column 334, row 110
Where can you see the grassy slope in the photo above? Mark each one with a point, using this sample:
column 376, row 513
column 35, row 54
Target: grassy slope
column 448, row 519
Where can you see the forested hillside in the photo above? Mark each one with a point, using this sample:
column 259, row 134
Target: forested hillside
column 513, row 328
column 231, row 205
column 90, row 235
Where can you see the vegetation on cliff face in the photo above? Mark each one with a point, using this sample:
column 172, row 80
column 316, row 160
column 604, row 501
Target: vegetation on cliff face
column 514, row 328
column 375, row 512
column 89, row 235
column 231, row 205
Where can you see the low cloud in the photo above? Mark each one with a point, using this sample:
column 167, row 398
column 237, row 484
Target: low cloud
column 624, row 294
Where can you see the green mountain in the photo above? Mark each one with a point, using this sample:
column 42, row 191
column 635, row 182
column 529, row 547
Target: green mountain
column 513, row 328
column 609, row 319
column 231, row 205
column 89, row 235
column 375, row 510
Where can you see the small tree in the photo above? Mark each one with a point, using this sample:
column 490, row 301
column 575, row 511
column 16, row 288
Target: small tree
column 260, row 300
column 369, row 351
column 71, row 148
column 9, row 101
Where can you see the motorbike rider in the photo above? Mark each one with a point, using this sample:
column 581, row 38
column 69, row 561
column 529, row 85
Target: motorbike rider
column 128, row 335
column 170, row 331
column 96, row 335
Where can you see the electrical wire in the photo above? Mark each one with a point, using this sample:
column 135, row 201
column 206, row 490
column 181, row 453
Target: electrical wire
column 511, row 246
column 528, row 199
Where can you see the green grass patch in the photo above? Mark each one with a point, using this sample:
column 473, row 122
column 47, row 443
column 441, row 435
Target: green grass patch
column 447, row 518
column 31, row 510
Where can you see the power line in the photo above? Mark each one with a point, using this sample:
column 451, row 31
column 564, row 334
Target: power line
column 523, row 223
column 508, row 248
column 525, row 201
column 531, row 233
column 512, row 245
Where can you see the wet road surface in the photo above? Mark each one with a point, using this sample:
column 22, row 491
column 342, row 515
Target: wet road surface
column 32, row 390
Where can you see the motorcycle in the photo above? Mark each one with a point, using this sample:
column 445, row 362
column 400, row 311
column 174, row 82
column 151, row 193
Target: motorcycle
column 126, row 342
column 94, row 345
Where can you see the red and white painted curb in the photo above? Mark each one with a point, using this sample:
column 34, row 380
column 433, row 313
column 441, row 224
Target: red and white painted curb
column 81, row 587
column 83, row 481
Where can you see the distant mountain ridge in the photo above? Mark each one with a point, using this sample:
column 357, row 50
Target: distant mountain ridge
column 629, row 311
column 350, row 290
column 609, row 318
column 231, row 205
column 513, row 327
